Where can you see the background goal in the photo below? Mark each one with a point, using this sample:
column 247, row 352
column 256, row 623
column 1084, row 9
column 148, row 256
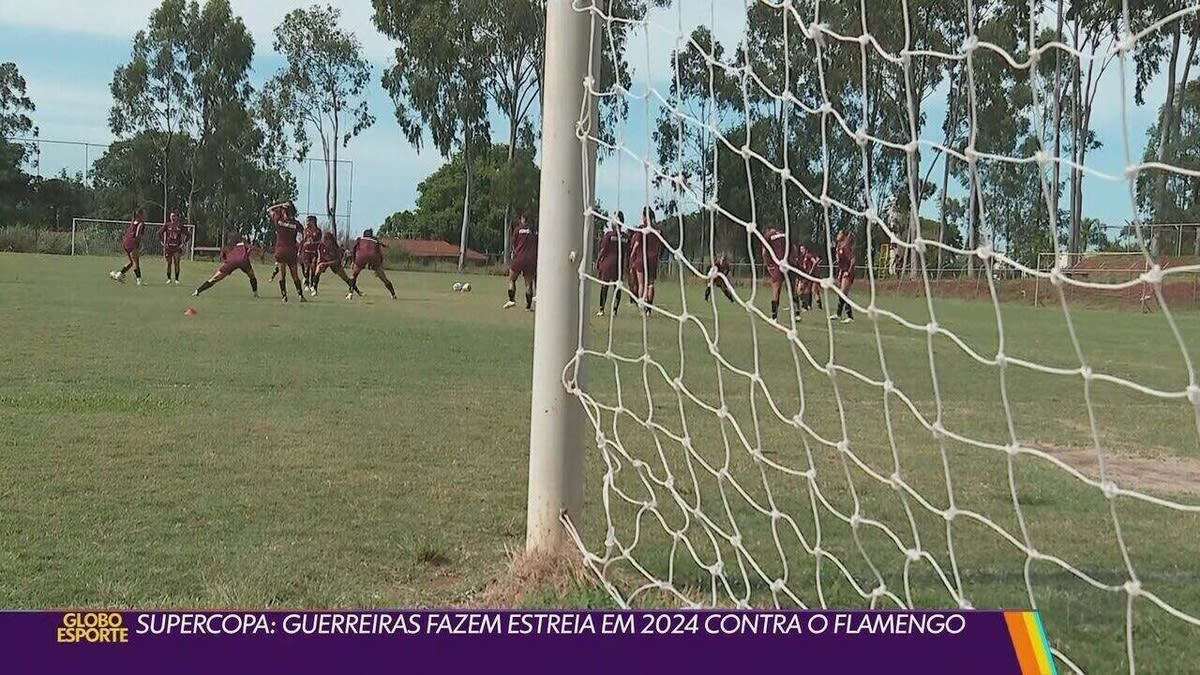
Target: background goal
column 939, row 452
column 94, row 236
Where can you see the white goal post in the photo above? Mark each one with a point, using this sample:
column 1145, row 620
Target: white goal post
column 891, row 450
column 99, row 236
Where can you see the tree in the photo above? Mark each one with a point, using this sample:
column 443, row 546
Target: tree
column 14, row 123
column 439, row 80
column 440, row 197
column 405, row 225
column 321, row 90
column 1167, row 196
column 134, row 172
column 516, row 40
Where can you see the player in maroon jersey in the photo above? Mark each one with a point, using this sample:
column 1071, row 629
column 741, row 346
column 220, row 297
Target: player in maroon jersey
column 173, row 236
column 844, row 253
column 310, row 241
column 233, row 258
column 775, row 255
column 643, row 258
column 131, row 242
column 635, row 250
column 368, row 255
column 809, row 264
column 329, row 257
column 608, row 262
column 287, row 230
column 524, row 262
column 719, row 277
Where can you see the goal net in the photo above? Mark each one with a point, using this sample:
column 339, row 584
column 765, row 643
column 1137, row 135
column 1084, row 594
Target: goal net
column 940, row 451
column 95, row 236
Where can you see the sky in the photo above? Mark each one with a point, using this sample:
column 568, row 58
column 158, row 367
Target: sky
column 67, row 51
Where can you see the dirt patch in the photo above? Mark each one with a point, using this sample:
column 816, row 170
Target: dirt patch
column 1174, row 475
column 532, row 576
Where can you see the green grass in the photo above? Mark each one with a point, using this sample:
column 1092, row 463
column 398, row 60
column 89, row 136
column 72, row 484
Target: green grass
column 151, row 458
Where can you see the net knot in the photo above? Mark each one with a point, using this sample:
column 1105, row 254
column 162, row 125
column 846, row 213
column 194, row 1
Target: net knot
column 1133, row 587
column 860, row 137
column 777, row 585
column 931, row 328
column 1109, row 489
column 855, row 520
column 912, row 554
column 736, row 541
column 744, row 151
column 816, row 33
column 879, row 591
column 911, row 147
column 717, row 568
column 1001, row 360
column 895, row 481
column 950, row 514
column 610, row 537
column 1012, row 449
column 1154, row 275
column 1193, row 394
column 872, row 311
column 1086, row 372
column 970, row 44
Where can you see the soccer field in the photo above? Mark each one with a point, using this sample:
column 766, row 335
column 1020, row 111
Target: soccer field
column 374, row 453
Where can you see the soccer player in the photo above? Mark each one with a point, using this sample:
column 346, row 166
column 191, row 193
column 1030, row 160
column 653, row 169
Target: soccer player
column 844, row 253
column 809, row 264
column 775, row 252
column 720, row 267
column 644, row 251
column 132, row 244
column 329, row 257
column 233, row 258
column 368, row 254
column 524, row 262
column 310, row 242
column 608, row 262
column 172, row 235
column 287, row 229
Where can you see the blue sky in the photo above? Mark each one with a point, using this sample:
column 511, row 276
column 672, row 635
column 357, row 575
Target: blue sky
column 67, row 51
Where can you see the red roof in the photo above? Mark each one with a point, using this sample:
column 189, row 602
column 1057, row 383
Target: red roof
column 432, row 248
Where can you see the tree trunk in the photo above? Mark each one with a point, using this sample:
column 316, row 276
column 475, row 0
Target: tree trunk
column 1056, row 169
column 512, row 144
column 331, row 183
column 1076, row 139
column 946, row 157
column 462, row 238
column 1164, row 132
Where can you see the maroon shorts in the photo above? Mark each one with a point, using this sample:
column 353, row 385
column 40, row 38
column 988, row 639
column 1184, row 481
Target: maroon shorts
column 172, row 251
column 526, row 267
column 308, row 256
column 230, row 266
column 369, row 262
column 285, row 256
column 648, row 269
column 130, row 246
column 846, row 277
column 776, row 274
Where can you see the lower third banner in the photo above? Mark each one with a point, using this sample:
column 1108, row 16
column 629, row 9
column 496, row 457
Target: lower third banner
column 625, row 642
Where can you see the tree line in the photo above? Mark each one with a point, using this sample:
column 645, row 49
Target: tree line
column 195, row 135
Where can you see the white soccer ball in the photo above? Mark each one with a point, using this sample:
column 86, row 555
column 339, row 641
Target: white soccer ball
column 466, row 288
column 457, row 287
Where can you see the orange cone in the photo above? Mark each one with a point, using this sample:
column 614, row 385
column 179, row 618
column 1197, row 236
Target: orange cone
column 190, row 311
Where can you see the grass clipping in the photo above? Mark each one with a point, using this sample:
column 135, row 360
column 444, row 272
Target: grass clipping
column 545, row 580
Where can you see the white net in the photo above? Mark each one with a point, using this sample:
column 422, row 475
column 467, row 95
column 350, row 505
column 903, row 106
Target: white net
column 958, row 446
column 96, row 236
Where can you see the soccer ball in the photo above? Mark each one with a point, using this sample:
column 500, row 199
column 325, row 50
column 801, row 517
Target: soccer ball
column 457, row 287
column 466, row 288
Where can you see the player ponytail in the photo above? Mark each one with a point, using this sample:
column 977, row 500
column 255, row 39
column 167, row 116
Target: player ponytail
column 369, row 234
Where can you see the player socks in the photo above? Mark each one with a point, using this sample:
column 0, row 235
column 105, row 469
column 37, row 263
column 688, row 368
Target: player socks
column 528, row 300
column 707, row 292
column 387, row 284
column 603, row 297
column 616, row 300
column 283, row 290
column 204, row 287
column 774, row 309
column 512, row 295
column 137, row 272
column 254, row 285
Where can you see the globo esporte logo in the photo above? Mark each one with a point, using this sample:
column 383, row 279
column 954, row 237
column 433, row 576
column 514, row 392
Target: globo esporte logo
column 92, row 627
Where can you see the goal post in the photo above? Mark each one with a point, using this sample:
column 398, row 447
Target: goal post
column 556, row 441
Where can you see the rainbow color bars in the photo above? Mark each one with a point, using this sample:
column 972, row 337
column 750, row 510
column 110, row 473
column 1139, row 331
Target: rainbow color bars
column 1029, row 640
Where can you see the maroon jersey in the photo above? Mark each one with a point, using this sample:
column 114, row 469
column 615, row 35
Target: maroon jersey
column 776, row 249
column 524, row 242
column 636, row 250
column 133, row 235
column 311, row 240
column 652, row 246
column 286, row 232
column 845, row 261
column 810, row 263
column 611, row 253
column 368, row 247
column 722, row 265
column 329, row 252
column 172, row 237
column 236, row 254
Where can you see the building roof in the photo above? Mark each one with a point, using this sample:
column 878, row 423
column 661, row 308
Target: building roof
column 432, row 248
